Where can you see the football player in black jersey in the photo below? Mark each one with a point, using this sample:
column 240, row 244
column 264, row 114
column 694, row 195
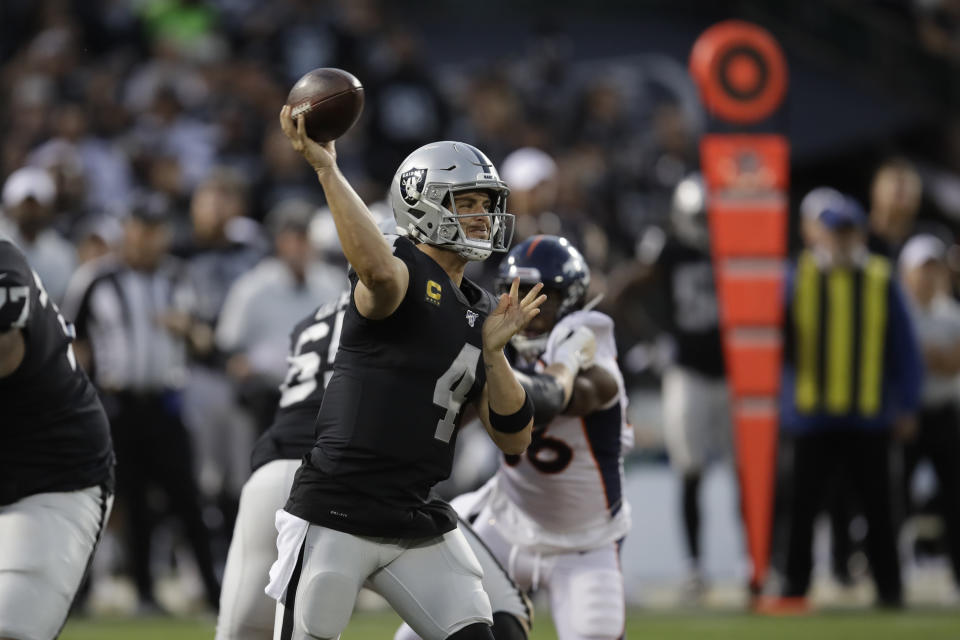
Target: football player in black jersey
column 246, row 612
column 56, row 458
column 696, row 409
column 418, row 342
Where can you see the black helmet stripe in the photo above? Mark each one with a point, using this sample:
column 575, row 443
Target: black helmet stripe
column 483, row 162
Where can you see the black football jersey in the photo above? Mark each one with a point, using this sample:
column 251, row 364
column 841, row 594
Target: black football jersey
column 694, row 314
column 54, row 435
column 313, row 349
column 390, row 414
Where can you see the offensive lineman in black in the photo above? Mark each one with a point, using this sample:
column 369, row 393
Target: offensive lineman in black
column 56, row 458
column 409, row 358
column 246, row 613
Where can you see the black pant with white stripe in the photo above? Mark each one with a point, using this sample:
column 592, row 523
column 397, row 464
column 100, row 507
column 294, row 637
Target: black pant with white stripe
column 153, row 450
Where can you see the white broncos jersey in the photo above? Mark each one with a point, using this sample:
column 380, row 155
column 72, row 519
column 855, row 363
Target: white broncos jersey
column 565, row 492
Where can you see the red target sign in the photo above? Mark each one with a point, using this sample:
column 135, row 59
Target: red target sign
column 740, row 70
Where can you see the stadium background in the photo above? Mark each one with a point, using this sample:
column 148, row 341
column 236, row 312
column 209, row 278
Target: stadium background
column 117, row 97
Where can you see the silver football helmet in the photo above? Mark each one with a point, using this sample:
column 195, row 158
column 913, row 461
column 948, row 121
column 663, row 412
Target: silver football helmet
column 422, row 198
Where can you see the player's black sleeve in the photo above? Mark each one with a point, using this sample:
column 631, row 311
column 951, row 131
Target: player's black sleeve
column 545, row 393
column 406, row 250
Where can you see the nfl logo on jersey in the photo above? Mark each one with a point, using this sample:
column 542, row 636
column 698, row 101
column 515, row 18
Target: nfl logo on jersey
column 471, row 317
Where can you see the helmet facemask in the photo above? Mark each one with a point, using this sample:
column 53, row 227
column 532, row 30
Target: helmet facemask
column 441, row 224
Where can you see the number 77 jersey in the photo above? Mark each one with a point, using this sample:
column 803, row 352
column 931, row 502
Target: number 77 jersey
column 54, row 435
column 388, row 424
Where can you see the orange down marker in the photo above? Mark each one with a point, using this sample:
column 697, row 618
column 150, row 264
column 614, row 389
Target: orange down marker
column 741, row 73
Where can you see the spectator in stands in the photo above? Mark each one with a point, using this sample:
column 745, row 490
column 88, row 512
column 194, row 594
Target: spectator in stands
column 29, row 198
column 938, row 26
column 105, row 170
column 493, row 114
column 254, row 327
column 937, row 319
column 223, row 246
column 168, row 130
column 895, row 195
column 532, row 176
column 404, row 106
column 284, row 177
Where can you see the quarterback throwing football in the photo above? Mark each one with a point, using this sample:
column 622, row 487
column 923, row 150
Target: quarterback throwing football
column 418, row 342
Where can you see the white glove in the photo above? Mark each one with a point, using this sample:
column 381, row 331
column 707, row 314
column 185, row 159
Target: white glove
column 577, row 350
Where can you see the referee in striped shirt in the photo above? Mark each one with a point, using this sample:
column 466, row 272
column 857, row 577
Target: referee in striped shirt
column 123, row 307
column 852, row 376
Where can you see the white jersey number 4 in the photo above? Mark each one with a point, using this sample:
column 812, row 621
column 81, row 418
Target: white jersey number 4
column 452, row 388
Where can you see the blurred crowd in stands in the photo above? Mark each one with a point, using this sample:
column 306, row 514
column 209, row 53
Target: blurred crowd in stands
column 143, row 134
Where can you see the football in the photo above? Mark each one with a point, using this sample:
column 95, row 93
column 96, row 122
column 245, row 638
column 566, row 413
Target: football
column 330, row 101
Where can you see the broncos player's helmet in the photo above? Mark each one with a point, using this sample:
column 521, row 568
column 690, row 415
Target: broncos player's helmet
column 565, row 275
column 422, row 198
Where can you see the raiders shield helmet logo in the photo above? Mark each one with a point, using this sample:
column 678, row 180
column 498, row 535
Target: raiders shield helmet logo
column 411, row 185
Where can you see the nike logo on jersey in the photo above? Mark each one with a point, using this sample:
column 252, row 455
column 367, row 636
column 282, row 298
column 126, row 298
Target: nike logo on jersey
column 472, row 317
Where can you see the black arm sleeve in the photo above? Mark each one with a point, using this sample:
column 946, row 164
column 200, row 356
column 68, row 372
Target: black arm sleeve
column 545, row 393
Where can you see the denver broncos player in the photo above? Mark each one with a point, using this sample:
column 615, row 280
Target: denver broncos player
column 418, row 342
column 56, row 458
column 555, row 515
column 246, row 613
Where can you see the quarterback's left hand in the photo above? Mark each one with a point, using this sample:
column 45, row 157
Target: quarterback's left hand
column 511, row 315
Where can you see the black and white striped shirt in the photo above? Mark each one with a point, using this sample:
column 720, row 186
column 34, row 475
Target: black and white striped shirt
column 117, row 310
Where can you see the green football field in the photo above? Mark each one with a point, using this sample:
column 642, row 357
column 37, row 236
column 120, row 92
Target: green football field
column 646, row 626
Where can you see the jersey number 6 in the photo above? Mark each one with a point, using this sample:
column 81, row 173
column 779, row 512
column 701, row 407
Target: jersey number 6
column 546, row 454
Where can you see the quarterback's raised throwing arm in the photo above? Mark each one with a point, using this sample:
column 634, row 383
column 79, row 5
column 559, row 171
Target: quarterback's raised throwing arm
column 383, row 276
